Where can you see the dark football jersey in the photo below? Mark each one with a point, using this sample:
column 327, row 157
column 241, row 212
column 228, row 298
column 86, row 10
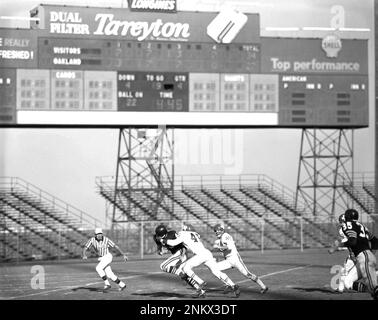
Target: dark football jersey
column 171, row 235
column 353, row 229
column 374, row 243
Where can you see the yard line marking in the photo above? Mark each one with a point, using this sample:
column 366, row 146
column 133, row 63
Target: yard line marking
column 277, row 272
column 263, row 276
column 284, row 271
column 69, row 288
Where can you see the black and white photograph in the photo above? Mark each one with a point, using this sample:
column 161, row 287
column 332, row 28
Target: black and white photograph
column 188, row 156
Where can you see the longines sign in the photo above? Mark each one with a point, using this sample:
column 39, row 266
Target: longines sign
column 153, row 5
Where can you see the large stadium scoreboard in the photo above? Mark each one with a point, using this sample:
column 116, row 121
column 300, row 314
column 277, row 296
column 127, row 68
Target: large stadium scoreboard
column 176, row 68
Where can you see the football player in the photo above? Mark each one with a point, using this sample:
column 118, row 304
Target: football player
column 174, row 263
column 202, row 255
column 225, row 243
column 349, row 266
column 358, row 240
column 101, row 244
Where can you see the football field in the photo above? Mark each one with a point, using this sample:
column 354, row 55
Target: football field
column 289, row 274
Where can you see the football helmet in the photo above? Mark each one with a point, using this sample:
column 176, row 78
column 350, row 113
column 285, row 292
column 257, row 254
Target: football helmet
column 219, row 229
column 187, row 227
column 351, row 214
column 161, row 231
column 342, row 218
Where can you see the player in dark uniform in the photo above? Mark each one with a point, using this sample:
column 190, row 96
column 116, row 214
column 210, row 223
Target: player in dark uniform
column 360, row 241
column 175, row 262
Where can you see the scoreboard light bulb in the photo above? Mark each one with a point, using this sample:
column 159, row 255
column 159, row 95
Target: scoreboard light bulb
column 286, row 85
column 330, row 86
column 1, row 80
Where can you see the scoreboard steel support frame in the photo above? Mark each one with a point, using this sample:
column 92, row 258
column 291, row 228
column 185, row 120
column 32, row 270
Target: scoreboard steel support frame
column 325, row 171
column 144, row 165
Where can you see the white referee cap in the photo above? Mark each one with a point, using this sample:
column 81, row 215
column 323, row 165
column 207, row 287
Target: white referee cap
column 98, row 230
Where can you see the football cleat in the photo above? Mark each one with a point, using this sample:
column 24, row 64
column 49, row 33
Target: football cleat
column 200, row 294
column 106, row 288
column 227, row 289
column 264, row 290
column 236, row 290
column 203, row 285
column 122, row 288
column 375, row 293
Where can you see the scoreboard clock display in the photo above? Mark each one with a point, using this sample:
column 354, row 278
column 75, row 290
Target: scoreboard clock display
column 153, row 91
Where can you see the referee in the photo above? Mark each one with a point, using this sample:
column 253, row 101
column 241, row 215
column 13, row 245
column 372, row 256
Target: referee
column 101, row 245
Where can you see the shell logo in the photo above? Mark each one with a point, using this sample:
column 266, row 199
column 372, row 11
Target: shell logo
column 331, row 44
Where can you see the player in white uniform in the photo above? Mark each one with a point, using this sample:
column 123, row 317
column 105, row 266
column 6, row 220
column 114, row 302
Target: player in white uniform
column 202, row 255
column 102, row 244
column 225, row 243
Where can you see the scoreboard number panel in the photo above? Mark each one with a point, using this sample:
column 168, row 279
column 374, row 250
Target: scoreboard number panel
column 204, row 92
column 264, row 92
column 235, row 92
column 67, row 90
column 153, row 91
column 8, row 89
column 100, row 90
column 33, row 89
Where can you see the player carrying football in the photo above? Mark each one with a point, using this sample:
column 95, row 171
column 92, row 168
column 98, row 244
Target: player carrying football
column 359, row 241
column 191, row 240
column 225, row 243
column 174, row 263
column 102, row 244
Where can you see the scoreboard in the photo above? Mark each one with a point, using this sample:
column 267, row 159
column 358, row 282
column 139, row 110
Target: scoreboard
column 152, row 56
column 91, row 66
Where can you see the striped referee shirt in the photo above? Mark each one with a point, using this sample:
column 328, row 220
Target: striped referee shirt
column 101, row 247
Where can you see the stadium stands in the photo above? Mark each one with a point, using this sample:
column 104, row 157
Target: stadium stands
column 259, row 212
column 35, row 224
